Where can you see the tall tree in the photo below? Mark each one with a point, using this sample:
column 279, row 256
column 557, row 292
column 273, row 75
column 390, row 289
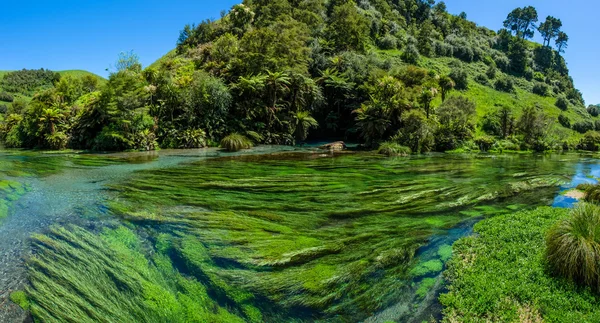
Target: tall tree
column 348, row 29
column 550, row 29
column 562, row 42
column 522, row 21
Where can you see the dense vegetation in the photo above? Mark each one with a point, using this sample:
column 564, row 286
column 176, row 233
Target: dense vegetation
column 279, row 72
column 503, row 275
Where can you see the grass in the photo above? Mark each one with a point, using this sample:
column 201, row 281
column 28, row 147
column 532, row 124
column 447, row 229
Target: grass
column 236, row 142
column 393, row 149
column 573, row 246
column 501, row 275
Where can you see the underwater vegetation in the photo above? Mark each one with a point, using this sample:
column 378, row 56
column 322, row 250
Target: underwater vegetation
column 294, row 237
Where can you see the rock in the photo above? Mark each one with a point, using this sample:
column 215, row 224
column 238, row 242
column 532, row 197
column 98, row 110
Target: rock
column 334, row 146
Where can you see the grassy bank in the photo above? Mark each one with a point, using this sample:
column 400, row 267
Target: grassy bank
column 500, row 275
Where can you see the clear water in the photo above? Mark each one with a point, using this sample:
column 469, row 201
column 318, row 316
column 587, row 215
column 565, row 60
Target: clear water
column 430, row 201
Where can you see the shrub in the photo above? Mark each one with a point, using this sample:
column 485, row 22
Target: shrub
column 485, row 143
column 3, row 108
column 564, row 121
column 460, row 78
column 584, row 126
column 528, row 74
column 236, row 142
column 590, row 141
column 442, row 49
column 482, row 79
column 593, row 110
column 502, row 62
column 411, row 55
column 573, row 246
column 541, row 89
column 539, row 77
column 562, row 103
column 597, row 125
column 6, row 97
column 592, row 192
column 388, row 42
column 505, row 84
column 491, row 72
column 393, row 149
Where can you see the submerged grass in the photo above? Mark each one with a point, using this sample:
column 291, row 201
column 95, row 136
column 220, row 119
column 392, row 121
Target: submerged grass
column 286, row 237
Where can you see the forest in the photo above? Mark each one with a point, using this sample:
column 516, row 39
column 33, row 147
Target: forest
column 405, row 74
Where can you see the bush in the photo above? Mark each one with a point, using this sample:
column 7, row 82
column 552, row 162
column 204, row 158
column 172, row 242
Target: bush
column 528, row 74
column 393, row 149
column 584, row 126
column 593, row 110
column 6, row 97
column 491, row 72
column 236, row 142
column 411, row 55
column 539, row 77
column 388, row 42
column 573, row 246
column 482, row 79
column 3, row 108
column 505, row 84
column 485, row 143
column 460, row 78
column 590, row 141
column 592, row 192
column 541, row 89
column 562, row 103
column 442, row 49
column 502, row 62
column 564, row 121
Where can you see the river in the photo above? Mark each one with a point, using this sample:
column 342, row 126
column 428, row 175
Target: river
column 303, row 235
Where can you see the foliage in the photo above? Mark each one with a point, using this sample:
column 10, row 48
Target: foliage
column 541, row 89
column 564, row 121
column 393, row 149
column 460, row 78
column 584, row 126
column 590, row 141
column 562, row 103
column 485, row 284
column 236, row 142
column 505, row 84
column 573, row 246
column 456, row 123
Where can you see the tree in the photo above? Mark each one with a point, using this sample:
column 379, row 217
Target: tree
column 372, row 120
column 49, row 119
column 446, row 85
column 522, row 21
column 550, row 29
column 562, row 42
column 348, row 29
column 427, row 95
column 533, row 125
column 128, row 61
column 302, row 124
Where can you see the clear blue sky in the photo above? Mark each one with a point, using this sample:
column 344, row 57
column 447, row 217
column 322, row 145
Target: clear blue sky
column 76, row 34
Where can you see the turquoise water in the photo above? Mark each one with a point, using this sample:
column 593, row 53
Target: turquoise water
column 447, row 193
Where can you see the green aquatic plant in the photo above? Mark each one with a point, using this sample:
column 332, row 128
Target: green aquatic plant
column 574, row 246
column 393, row 149
column 20, row 298
column 80, row 276
column 236, row 142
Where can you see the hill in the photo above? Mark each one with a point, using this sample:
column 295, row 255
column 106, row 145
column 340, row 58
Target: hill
column 282, row 72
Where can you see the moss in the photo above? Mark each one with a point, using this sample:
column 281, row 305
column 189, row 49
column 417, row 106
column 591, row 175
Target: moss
column 425, row 286
column 20, row 298
column 445, row 252
column 427, row 268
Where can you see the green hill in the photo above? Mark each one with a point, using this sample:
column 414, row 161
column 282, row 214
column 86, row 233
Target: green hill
column 403, row 72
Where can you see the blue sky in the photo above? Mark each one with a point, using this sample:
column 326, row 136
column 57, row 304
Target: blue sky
column 80, row 34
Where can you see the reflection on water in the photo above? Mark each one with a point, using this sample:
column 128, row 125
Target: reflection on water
column 387, row 223
column 586, row 172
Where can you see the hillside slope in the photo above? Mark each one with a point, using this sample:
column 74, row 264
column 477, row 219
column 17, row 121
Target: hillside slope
column 404, row 73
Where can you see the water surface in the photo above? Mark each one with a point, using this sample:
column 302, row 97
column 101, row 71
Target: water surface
column 295, row 236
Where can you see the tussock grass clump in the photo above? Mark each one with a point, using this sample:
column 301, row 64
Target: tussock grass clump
column 393, row 149
column 592, row 192
column 574, row 246
column 236, row 142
